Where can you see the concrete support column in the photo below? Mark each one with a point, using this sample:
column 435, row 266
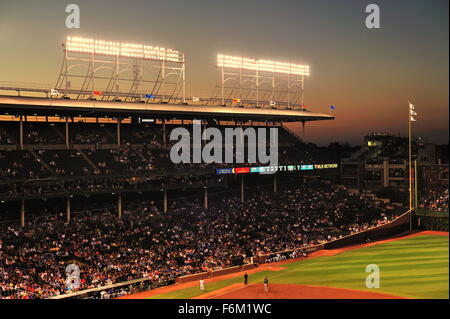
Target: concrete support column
column 274, row 183
column 165, row 200
column 68, row 211
column 164, row 133
column 118, row 131
column 242, row 132
column 22, row 213
column 204, row 128
column 119, row 205
column 21, row 132
column 206, row 198
column 67, row 132
column 242, row 188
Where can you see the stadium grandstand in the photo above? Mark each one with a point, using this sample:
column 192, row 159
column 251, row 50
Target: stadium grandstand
column 97, row 188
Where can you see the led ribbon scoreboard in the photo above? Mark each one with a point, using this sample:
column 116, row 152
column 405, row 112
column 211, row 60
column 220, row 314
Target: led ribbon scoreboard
column 273, row 169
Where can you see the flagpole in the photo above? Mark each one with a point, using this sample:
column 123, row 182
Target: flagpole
column 416, row 189
column 410, row 167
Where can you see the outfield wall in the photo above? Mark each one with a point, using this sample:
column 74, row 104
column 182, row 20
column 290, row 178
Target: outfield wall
column 285, row 255
column 215, row 273
column 398, row 226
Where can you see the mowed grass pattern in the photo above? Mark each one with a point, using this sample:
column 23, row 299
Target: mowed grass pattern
column 415, row 267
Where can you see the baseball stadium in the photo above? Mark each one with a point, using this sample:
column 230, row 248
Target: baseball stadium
column 106, row 190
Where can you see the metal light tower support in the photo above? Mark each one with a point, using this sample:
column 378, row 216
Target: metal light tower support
column 140, row 79
column 223, row 85
column 257, row 87
column 92, row 73
column 288, row 88
column 118, row 74
column 263, row 84
column 163, row 71
column 273, row 88
column 303, row 93
column 240, row 84
column 184, row 80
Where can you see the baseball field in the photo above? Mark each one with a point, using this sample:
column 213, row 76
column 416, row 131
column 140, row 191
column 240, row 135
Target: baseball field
column 414, row 266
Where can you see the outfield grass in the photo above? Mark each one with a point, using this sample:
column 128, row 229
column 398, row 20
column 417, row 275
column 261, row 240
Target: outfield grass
column 415, row 267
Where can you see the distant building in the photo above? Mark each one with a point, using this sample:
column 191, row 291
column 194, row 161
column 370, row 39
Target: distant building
column 373, row 175
column 376, row 139
column 383, row 162
column 432, row 176
column 426, row 154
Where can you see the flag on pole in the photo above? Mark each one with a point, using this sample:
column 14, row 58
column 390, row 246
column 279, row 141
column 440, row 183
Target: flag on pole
column 95, row 92
column 412, row 112
column 54, row 93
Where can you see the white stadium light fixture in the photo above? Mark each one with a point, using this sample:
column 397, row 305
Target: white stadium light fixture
column 130, row 50
column 227, row 61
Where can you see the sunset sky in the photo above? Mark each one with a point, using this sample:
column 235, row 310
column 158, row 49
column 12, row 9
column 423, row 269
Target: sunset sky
column 368, row 74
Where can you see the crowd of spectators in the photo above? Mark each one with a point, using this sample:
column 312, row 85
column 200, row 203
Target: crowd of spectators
column 5, row 137
column 397, row 172
column 146, row 243
column 435, row 199
column 35, row 133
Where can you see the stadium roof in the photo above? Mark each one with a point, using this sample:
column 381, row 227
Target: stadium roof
column 40, row 106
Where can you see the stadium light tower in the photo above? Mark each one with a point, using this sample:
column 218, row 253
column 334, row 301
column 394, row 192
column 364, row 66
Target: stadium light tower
column 119, row 69
column 261, row 82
